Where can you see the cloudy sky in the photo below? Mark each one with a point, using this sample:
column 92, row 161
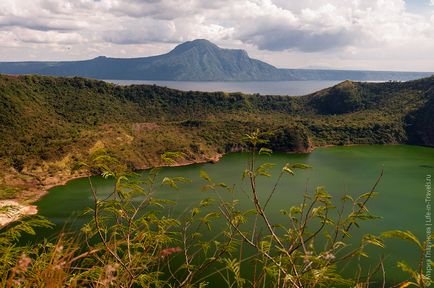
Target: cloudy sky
column 348, row 34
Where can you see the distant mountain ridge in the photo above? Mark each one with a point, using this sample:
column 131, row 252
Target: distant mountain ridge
column 197, row 60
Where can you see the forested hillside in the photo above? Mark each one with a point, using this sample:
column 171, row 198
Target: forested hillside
column 47, row 123
column 420, row 124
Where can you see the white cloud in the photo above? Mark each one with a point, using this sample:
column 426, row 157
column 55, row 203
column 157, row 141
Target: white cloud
column 157, row 9
column 337, row 33
column 48, row 37
column 58, row 24
column 323, row 25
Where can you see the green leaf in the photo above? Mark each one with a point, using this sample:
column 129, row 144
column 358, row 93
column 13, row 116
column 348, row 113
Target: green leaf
column 203, row 284
column 300, row 166
column 405, row 268
column 107, row 174
column 170, row 157
column 247, row 173
column 238, row 219
column 363, row 254
column 265, row 151
column 208, row 187
column 170, row 182
column 368, row 195
column 405, row 235
column 250, row 212
column 206, row 202
column 223, row 185
column 195, row 211
column 287, row 170
column 263, row 170
column 294, row 210
column 374, row 240
column 264, row 246
column 321, row 193
column 318, row 211
column 182, row 180
column 205, row 176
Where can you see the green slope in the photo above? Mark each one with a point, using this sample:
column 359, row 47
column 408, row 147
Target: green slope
column 46, row 123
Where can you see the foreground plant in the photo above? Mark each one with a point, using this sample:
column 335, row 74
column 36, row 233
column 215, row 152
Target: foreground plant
column 417, row 276
column 288, row 254
column 136, row 243
column 133, row 241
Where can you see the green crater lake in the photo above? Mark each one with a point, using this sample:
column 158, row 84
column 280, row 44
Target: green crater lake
column 348, row 170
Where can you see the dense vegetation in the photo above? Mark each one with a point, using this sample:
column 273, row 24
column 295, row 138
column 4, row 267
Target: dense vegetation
column 46, row 123
column 420, row 124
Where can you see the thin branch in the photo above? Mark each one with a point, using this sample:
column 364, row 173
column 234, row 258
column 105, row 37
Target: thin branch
column 98, row 228
column 364, row 202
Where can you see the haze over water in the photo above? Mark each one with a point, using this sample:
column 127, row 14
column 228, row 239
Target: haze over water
column 291, row 88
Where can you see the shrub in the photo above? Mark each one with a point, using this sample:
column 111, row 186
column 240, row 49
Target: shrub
column 132, row 242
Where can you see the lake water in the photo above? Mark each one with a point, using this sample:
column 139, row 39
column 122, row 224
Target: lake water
column 342, row 170
column 291, row 88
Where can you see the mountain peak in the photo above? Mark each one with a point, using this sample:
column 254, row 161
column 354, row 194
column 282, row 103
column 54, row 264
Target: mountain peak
column 198, row 44
column 201, row 42
column 196, row 60
column 203, row 46
column 100, row 58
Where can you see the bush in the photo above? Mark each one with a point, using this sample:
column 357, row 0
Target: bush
column 136, row 244
column 8, row 193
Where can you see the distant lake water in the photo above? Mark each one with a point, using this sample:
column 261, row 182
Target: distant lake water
column 292, row 88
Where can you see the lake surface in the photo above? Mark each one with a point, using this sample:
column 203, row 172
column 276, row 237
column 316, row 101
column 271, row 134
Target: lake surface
column 342, row 170
column 291, row 88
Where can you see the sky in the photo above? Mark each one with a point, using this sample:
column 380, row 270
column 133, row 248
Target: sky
column 339, row 34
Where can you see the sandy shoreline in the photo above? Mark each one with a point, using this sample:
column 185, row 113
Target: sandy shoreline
column 12, row 211
column 22, row 205
column 15, row 209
